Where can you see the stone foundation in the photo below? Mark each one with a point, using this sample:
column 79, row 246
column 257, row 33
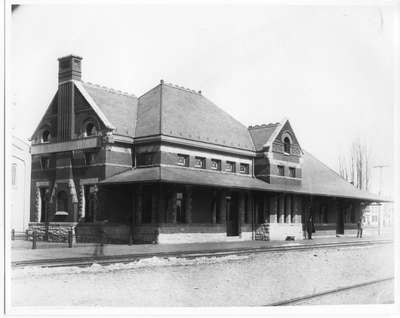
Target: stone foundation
column 57, row 232
column 177, row 238
column 279, row 231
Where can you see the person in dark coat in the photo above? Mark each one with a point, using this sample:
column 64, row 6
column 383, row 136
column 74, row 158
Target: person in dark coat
column 310, row 227
column 359, row 228
column 100, row 237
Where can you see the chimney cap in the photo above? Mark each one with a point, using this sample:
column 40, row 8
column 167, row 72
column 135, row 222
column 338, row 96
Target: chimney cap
column 70, row 56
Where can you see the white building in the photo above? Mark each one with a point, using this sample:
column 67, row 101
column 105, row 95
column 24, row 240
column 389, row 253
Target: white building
column 20, row 184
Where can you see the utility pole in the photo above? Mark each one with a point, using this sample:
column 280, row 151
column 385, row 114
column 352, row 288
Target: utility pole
column 380, row 167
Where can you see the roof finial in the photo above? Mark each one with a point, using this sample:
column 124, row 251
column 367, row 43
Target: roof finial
column 199, row 92
column 161, row 81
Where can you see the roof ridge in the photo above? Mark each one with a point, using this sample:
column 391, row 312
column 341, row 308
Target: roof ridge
column 263, row 126
column 110, row 90
column 181, row 88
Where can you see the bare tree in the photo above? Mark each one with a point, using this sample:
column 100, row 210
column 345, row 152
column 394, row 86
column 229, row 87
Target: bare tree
column 355, row 167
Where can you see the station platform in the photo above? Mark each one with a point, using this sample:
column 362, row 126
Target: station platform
column 48, row 252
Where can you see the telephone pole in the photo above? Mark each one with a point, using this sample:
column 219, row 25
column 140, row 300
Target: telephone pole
column 380, row 167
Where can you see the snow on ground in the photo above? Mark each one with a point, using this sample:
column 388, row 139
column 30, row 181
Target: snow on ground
column 251, row 280
column 146, row 262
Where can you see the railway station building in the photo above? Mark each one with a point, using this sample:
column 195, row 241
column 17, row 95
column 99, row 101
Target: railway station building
column 172, row 167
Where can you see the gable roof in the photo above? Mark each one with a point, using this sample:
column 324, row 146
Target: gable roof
column 261, row 133
column 46, row 113
column 264, row 135
column 183, row 113
column 116, row 109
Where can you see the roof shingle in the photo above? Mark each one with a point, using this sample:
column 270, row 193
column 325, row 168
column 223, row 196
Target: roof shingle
column 119, row 108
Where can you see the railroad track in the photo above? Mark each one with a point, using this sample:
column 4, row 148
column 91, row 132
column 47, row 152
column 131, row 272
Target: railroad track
column 111, row 259
column 296, row 300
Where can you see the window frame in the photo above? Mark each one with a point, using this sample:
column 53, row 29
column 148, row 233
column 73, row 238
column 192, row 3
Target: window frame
column 45, row 163
column 292, row 172
column 246, row 167
column 88, row 155
column 287, row 144
column 231, row 164
column 94, row 129
column 185, row 160
column 202, row 161
column 281, row 170
column 218, row 164
column 48, row 136
column 142, row 159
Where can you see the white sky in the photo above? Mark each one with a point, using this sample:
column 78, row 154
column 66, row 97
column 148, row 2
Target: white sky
column 329, row 69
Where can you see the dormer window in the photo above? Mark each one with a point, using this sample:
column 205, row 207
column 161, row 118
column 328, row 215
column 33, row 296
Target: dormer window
column 90, row 130
column 286, row 145
column 46, row 136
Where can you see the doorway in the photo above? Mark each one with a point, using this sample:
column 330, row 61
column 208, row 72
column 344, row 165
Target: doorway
column 232, row 216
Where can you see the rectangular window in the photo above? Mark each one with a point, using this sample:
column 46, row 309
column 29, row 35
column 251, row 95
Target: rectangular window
column 145, row 159
column 244, row 168
column 45, row 163
column 230, row 166
column 89, row 158
column 281, row 170
column 183, row 160
column 215, row 164
column 14, row 174
column 292, row 172
column 200, row 162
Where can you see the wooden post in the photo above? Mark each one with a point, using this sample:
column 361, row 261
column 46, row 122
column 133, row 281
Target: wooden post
column 173, row 211
column 38, row 205
column 241, row 209
column 188, row 204
column 133, row 211
column 139, row 199
column 154, row 205
column 273, row 205
column 222, row 207
column 161, row 205
column 82, row 202
column 249, row 208
column 34, row 238
column 288, row 207
column 281, row 208
column 265, row 209
column 214, row 208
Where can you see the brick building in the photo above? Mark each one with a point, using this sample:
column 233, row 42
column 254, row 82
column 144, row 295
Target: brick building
column 170, row 166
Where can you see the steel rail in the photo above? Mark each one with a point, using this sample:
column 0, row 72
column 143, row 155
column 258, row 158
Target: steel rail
column 329, row 292
column 127, row 258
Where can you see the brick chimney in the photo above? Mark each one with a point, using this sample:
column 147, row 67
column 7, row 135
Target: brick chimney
column 69, row 68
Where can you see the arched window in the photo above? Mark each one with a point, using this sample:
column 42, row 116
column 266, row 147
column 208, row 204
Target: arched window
column 62, row 201
column 286, row 145
column 90, row 129
column 46, row 136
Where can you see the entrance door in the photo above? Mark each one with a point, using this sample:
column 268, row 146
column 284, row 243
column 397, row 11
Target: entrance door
column 232, row 216
column 340, row 222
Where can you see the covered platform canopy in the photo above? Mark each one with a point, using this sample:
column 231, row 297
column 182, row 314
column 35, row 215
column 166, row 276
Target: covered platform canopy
column 318, row 179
